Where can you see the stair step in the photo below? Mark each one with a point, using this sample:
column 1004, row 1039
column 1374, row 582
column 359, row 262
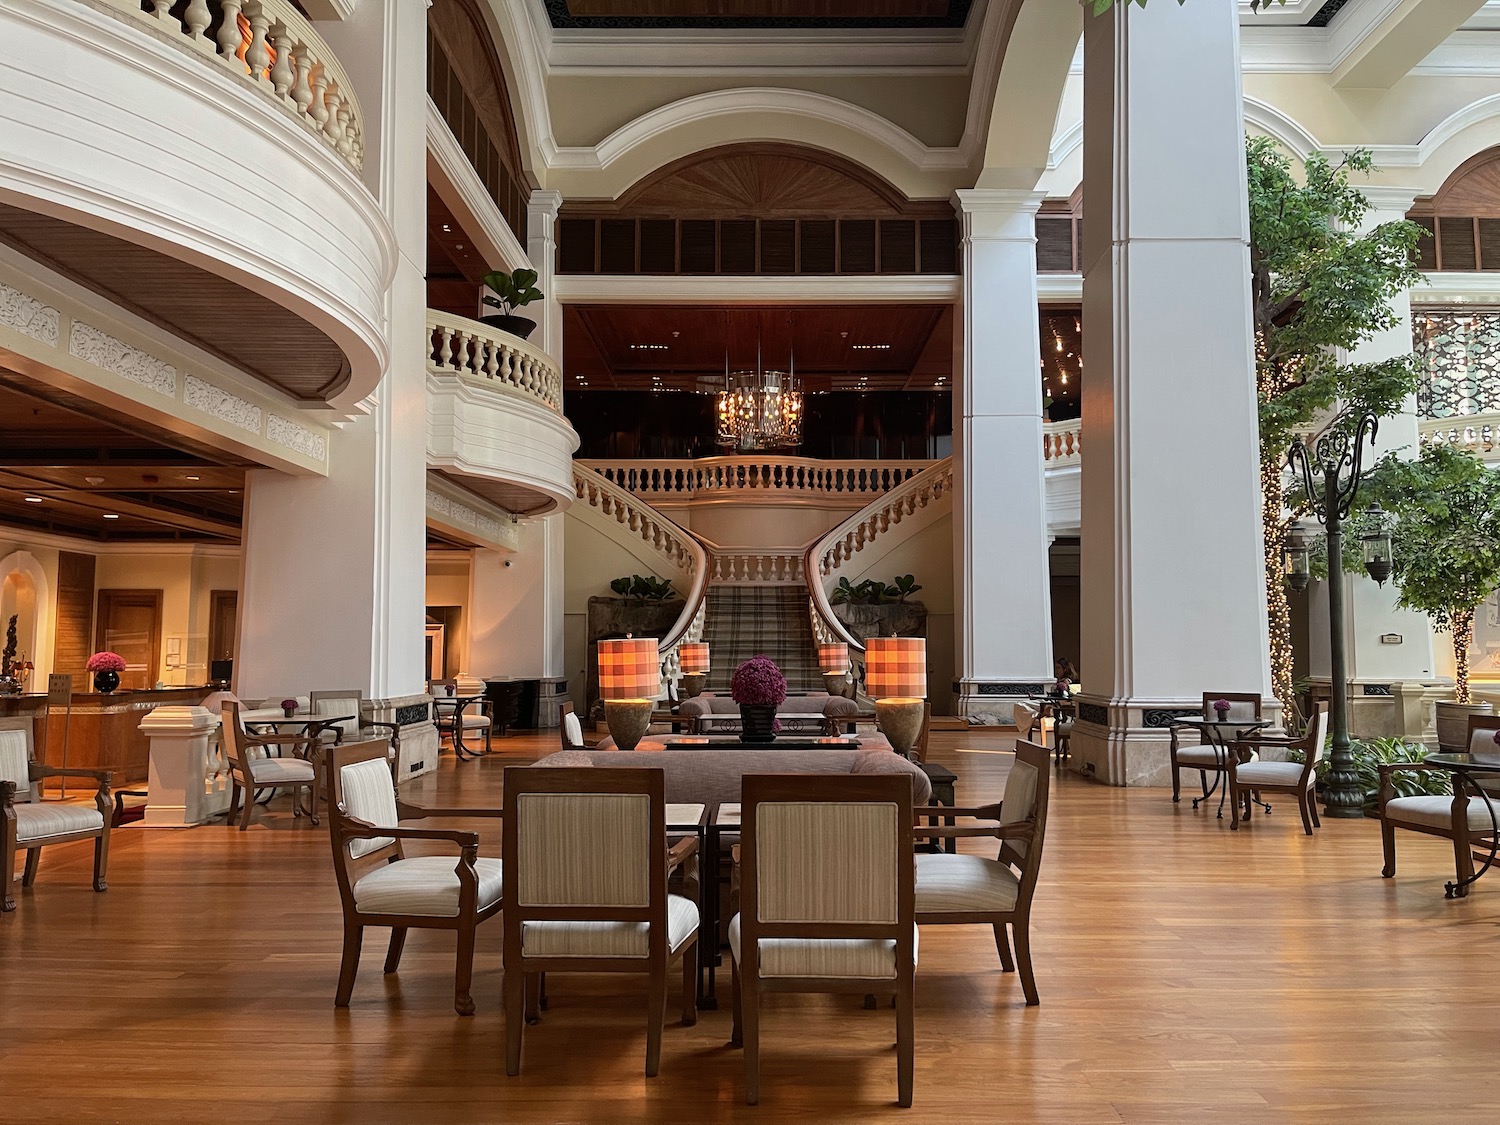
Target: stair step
column 745, row 621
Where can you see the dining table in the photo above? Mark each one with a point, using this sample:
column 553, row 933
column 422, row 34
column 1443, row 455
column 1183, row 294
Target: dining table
column 456, row 705
column 1221, row 735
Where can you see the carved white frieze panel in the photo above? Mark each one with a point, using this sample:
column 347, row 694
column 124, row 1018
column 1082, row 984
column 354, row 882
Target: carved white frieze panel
column 202, row 395
column 28, row 316
column 117, row 357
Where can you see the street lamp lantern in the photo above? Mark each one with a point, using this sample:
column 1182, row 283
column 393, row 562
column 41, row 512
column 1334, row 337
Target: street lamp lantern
column 1377, row 544
column 1297, row 557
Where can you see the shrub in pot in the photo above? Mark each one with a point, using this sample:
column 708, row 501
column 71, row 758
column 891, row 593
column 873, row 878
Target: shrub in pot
column 513, row 291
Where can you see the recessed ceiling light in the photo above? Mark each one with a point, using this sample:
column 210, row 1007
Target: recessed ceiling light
column 871, row 347
column 111, row 516
column 33, row 499
column 648, row 347
column 189, row 476
column 447, row 228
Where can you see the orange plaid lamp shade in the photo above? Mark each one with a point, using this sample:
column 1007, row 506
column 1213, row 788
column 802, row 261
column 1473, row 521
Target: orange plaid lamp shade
column 833, row 659
column 694, row 657
column 896, row 667
column 629, row 668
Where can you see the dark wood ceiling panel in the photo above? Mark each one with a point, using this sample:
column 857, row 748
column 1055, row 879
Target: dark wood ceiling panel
column 514, row 498
column 757, row 13
column 241, row 327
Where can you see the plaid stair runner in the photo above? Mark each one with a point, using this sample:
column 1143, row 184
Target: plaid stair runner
column 746, row 621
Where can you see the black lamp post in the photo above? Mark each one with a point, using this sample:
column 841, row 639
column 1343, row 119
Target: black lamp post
column 1338, row 460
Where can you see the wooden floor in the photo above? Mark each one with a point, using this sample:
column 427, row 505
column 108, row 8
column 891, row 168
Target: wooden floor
column 1186, row 975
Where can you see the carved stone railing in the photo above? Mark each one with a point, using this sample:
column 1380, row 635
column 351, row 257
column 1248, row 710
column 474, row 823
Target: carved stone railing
column 1062, row 443
column 762, row 478
column 489, row 357
column 749, row 567
column 1478, row 433
column 272, row 46
column 841, row 544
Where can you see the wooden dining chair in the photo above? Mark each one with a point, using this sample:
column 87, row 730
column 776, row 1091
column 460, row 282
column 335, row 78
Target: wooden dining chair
column 826, row 901
column 570, row 729
column 964, row 890
column 379, row 885
column 351, row 701
column 1203, row 756
column 29, row 825
column 1249, row 779
column 253, row 769
column 586, row 871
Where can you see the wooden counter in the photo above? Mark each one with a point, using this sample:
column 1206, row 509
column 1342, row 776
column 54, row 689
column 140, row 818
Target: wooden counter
column 103, row 730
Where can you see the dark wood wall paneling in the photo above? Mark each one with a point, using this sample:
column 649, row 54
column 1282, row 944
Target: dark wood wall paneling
column 1462, row 219
column 75, row 615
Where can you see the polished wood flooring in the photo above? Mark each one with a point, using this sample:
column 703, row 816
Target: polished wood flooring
column 1187, row 974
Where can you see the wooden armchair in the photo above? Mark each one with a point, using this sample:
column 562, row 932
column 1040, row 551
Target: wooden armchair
column 1203, row 756
column 351, row 701
column 30, row 825
column 252, row 771
column 380, row 886
column 1465, row 818
column 1297, row 778
column 972, row 890
column 586, row 870
column 826, row 901
column 570, row 729
column 454, row 720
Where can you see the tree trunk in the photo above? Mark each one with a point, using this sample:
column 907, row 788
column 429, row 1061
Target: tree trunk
column 1278, row 615
column 1463, row 635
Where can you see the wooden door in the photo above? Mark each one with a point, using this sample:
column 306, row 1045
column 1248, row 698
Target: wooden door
column 223, row 607
column 129, row 623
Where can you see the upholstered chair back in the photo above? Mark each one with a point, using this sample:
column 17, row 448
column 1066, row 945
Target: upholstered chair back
column 231, row 735
column 1018, row 803
column 1243, row 706
column 357, row 791
column 342, row 702
column 15, row 757
column 1318, row 729
column 1029, row 787
column 368, row 794
column 583, row 849
column 1482, row 731
column 570, row 728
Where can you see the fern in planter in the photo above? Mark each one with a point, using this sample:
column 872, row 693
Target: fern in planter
column 649, row 588
column 1371, row 753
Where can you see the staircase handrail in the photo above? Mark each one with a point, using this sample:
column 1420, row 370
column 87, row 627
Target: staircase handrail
column 827, row 554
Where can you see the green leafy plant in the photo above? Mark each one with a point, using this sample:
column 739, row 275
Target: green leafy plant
column 647, row 588
column 514, row 289
column 872, row 591
column 904, row 587
column 621, row 586
column 1371, row 753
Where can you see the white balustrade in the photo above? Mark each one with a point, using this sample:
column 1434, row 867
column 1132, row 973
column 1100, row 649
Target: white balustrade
column 481, row 354
column 1062, row 443
column 748, row 477
column 271, row 45
column 1478, row 433
column 754, row 568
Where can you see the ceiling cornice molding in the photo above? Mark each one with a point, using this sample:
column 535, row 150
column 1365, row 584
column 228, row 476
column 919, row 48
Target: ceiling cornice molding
column 907, row 289
column 30, row 537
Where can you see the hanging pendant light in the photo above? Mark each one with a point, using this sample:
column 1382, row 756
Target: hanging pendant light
column 759, row 409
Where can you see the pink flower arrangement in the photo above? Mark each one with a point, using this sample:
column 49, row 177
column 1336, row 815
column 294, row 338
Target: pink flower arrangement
column 1497, row 738
column 105, row 662
column 1222, row 707
column 758, row 681
column 288, row 705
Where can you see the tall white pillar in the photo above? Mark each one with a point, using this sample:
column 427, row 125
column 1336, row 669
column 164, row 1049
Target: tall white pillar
column 1002, row 590
column 333, row 584
column 541, row 248
column 1173, row 601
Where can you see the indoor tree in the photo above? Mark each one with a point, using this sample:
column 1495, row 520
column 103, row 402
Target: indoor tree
column 1319, row 289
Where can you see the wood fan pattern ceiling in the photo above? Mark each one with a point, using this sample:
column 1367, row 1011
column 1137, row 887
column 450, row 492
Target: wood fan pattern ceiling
column 757, row 13
column 765, row 184
column 683, row 348
column 242, row 328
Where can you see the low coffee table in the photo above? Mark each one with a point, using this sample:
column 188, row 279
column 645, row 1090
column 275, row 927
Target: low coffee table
column 735, row 742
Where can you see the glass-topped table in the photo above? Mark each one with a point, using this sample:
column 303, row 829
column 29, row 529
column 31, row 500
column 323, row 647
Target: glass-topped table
column 1220, row 735
column 780, row 742
column 1465, row 769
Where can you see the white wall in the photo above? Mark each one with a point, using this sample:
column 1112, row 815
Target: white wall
column 185, row 579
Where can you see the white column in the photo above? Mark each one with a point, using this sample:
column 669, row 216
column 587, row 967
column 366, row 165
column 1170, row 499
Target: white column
column 1002, row 594
column 515, row 605
column 333, row 584
column 541, row 248
column 1173, row 601
column 186, row 786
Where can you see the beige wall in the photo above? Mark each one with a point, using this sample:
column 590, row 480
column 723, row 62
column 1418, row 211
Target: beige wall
column 28, row 588
column 186, row 580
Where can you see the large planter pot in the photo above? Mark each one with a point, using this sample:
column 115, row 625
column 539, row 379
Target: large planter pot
column 758, row 722
column 888, row 619
column 1453, row 724
column 106, row 682
column 515, row 325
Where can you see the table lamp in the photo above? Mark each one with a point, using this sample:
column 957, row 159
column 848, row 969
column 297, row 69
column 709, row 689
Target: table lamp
column 694, row 658
column 833, row 659
column 896, row 676
column 629, row 682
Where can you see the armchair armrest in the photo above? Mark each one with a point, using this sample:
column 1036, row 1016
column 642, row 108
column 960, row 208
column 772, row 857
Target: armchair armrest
column 983, row 812
column 278, row 739
column 39, row 771
column 1387, row 770
column 7, row 793
column 417, row 812
column 360, row 830
column 394, row 728
column 681, row 851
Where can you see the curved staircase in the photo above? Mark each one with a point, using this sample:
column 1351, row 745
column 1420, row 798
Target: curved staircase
column 745, row 621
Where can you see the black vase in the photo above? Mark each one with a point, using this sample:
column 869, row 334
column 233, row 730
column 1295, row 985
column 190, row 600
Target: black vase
column 758, row 722
column 106, row 682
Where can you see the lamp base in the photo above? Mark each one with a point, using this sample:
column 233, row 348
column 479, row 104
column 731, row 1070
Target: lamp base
column 900, row 720
column 836, row 683
column 628, row 720
column 692, row 684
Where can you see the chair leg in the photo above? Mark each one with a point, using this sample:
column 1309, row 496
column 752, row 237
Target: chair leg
column 1312, row 806
column 393, row 954
column 1176, row 782
column 1463, row 863
column 1304, row 799
column 690, row 984
column 312, row 802
column 7, row 870
column 1388, row 846
column 750, row 1033
column 905, row 1037
column 463, row 973
column 541, row 991
column 250, row 795
column 1236, row 799
column 656, row 1016
column 1002, row 946
column 101, row 858
column 234, row 799
column 515, row 1017
column 353, row 937
column 533, row 998
column 1022, row 933
column 736, row 1032
column 33, row 860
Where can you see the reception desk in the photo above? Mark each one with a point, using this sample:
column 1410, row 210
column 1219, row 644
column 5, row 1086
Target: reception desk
column 103, row 731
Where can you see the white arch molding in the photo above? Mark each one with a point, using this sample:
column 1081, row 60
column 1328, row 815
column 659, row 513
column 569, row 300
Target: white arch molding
column 43, row 626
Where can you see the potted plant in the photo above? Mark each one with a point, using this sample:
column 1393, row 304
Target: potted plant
column 512, row 291
column 288, row 707
column 106, row 667
column 759, row 688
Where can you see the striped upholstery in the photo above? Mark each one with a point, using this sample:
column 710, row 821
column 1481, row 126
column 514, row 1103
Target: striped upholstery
column 1199, row 755
column 15, row 761
column 826, row 862
column 342, row 705
column 572, row 730
column 38, row 821
column 370, row 795
column 582, row 849
column 954, row 884
column 1269, row 773
column 842, row 958
column 280, row 771
column 608, row 939
column 425, row 885
column 1437, row 812
column 1019, row 801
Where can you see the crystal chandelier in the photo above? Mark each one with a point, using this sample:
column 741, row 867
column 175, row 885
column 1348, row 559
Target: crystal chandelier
column 759, row 409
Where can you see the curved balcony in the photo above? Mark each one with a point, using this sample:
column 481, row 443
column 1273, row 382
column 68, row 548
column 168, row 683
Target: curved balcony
column 279, row 258
column 494, row 416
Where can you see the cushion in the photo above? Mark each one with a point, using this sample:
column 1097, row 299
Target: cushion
column 476, row 722
column 844, row 958
column 425, row 885
column 951, row 884
column 839, row 706
column 1437, row 812
column 572, row 730
column 608, row 939
column 1199, row 755
column 37, row 822
column 284, row 771
column 1269, row 773
column 369, row 794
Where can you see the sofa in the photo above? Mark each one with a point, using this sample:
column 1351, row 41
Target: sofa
column 823, row 712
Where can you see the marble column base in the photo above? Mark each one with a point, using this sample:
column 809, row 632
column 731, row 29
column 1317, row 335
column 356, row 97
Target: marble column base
column 419, row 737
column 993, row 702
column 1126, row 742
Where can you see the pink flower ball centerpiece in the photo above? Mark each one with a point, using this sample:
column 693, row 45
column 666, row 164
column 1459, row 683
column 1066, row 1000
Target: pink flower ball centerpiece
column 1221, row 707
column 288, row 707
column 106, row 667
column 759, row 688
